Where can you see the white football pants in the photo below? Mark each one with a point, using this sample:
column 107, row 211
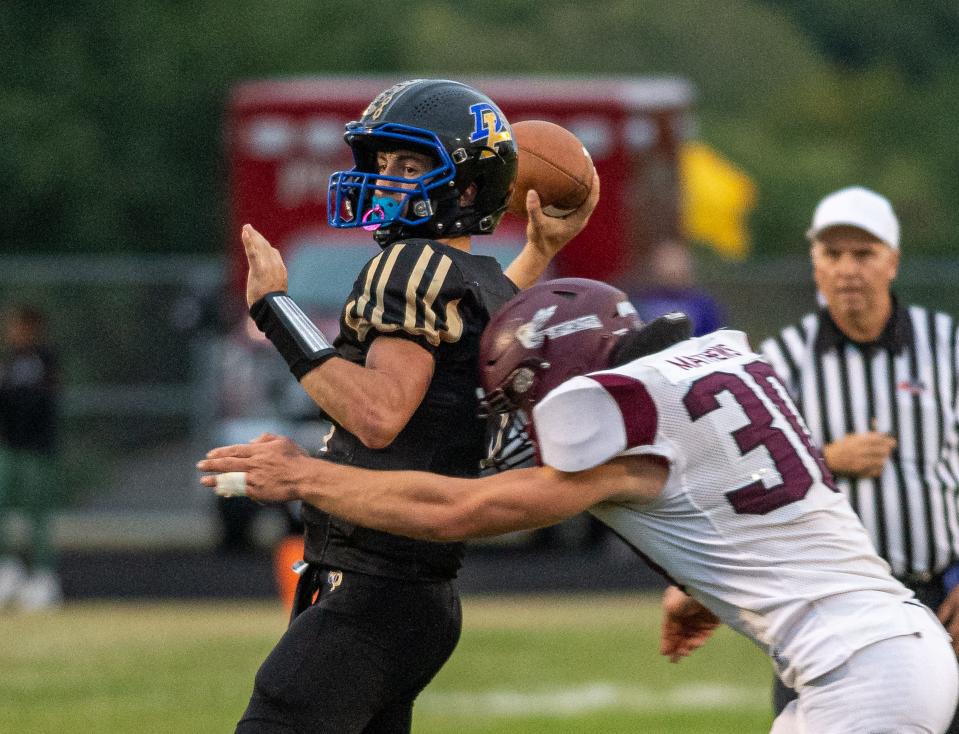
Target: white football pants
column 902, row 685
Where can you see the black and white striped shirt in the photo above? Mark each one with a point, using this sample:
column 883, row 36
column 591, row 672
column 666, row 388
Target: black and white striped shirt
column 903, row 384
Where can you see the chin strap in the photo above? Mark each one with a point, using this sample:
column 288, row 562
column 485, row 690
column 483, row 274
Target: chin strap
column 653, row 337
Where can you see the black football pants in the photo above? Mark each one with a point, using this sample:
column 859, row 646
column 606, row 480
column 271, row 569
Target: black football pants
column 354, row 661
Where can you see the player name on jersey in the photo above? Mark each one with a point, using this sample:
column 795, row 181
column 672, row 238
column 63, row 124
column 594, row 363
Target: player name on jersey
column 680, row 364
column 716, row 353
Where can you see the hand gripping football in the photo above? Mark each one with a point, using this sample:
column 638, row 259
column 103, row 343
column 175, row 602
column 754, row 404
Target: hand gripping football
column 554, row 163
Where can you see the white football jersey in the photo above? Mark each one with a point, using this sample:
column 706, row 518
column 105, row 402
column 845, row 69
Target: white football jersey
column 749, row 521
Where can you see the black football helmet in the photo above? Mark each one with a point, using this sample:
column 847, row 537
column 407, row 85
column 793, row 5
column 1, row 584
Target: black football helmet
column 560, row 329
column 469, row 141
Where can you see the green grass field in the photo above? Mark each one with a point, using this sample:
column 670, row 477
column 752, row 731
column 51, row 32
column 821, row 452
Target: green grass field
column 524, row 665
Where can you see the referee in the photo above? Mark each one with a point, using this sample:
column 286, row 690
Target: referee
column 876, row 380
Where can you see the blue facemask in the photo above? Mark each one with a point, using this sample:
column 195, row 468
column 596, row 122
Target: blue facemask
column 353, row 201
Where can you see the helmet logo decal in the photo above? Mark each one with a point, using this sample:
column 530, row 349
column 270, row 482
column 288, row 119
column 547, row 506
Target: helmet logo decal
column 529, row 334
column 625, row 308
column 376, row 107
column 488, row 125
column 532, row 334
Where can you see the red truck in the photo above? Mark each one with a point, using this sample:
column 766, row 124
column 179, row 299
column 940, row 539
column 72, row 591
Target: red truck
column 285, row 138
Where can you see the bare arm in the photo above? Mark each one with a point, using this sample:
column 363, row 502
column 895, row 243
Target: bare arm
column 547, row 235
column 430, row 506
column 948, row 613
column 375, row 401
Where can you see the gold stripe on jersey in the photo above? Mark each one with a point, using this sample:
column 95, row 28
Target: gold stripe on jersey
column 429, row 315
column 353, row 315
column 412, row 286
column 454, row 323
column 353, row 311
column 450, row 326
column 376, row 318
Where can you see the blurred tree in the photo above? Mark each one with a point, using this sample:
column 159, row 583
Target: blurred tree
column 111, row 111
column 918, row 39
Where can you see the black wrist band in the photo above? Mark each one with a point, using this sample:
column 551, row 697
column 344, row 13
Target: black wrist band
column 296, row 338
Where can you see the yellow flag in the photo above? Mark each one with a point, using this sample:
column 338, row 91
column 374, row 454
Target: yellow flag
column 716, row 198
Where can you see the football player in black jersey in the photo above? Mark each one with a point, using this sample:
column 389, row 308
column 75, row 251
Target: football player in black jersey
column 376, row 615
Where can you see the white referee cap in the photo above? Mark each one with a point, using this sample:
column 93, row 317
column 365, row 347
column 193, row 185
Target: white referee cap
column 857, row 207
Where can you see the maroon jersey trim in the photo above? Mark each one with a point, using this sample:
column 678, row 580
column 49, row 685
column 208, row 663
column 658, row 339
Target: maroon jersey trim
column 636, row 406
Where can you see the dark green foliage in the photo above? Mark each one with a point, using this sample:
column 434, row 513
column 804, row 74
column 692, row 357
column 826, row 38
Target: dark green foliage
column 918, row 39
column 111, row 112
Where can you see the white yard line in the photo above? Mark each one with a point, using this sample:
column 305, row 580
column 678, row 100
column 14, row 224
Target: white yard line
column 596, row 696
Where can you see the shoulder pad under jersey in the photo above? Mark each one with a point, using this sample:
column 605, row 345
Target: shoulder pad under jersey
column 588, row 420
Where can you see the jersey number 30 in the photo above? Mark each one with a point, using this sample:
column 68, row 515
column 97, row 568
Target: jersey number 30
column 755, row 498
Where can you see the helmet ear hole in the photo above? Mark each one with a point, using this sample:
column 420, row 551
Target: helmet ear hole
column 468, row 196
column 522, row 381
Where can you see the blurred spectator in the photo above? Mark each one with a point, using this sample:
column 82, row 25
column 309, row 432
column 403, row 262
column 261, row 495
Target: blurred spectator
column 29, row 392
column 668, row 284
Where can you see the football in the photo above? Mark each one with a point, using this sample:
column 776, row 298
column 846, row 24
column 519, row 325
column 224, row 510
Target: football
column 554, row 163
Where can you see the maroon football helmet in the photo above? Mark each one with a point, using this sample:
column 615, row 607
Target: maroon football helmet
column 548, row 334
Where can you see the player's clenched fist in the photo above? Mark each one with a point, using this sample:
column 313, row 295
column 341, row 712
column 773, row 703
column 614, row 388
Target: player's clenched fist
column 267, row 271
column 860, row 454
